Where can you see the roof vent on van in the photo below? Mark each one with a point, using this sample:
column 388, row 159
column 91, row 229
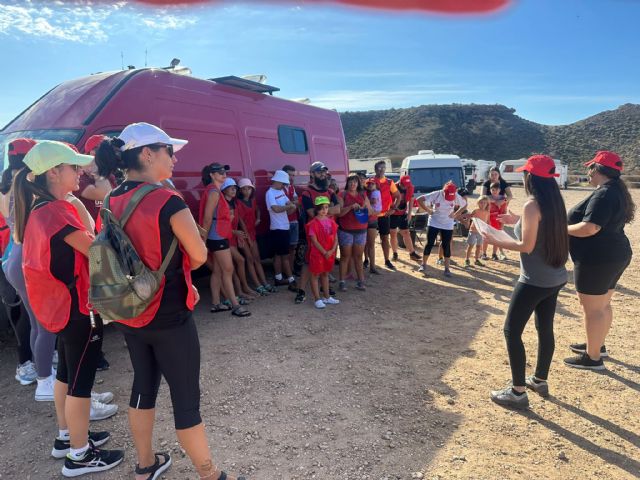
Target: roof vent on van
column 426, row 152
column 233, row 81
column 261, row 78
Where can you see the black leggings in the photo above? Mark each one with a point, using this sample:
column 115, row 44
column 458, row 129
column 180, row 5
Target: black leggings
column 23, row 331
column 525, row 300
column 175, row 354
column 79, row 348
column 445, row 236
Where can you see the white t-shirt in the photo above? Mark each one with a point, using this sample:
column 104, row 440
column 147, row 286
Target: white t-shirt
column 279, row 221
column 376, row 201
column 442, row 208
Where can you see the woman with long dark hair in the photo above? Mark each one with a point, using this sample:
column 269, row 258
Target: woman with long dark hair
column 56, row 273
column 163, row 340
column 601, row 252
column 543, row 244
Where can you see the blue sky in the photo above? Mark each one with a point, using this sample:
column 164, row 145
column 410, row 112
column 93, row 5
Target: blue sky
column 554, row 61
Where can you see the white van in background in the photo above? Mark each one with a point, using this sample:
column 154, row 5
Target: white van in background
column 476, row 172
column 508, row 172
column 429, row 171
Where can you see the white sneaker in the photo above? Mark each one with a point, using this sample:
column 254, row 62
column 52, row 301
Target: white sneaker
column 26, row 373
column 331, row 301
column 421, row 268
column 105, row 397
column 100, row 411
column 320, row 304
column 44, row 390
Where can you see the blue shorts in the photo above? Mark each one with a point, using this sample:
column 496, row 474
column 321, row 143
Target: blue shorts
column 294, row 233
column 347, row 239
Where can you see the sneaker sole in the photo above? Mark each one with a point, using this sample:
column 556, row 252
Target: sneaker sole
column 24, row 382
column 103, row 417
column 584, row 367
column 514, row 405
column 577, row 350
column 76, row 472
column 43, row 398
column 60, row 454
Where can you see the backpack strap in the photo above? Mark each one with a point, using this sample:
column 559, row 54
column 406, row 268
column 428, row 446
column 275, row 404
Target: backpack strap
column 133, row 202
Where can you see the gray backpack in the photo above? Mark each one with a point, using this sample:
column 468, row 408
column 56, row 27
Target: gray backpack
column 121, row 285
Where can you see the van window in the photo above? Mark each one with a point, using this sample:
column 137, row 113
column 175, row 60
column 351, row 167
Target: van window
column 292, row 139
column 430, row 179
column 62, row 135
column 508, row 168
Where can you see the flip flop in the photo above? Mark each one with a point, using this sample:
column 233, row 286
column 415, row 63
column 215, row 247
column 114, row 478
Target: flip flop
column 220, row 307
column 157, row 469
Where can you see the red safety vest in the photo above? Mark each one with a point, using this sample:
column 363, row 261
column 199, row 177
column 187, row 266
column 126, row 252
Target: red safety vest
column 50, row 298
column 222, row 212
column 406, row 195
column 248, row 215
column 5, row 235
column 385, row 193
column 290, row 191
column 317, row 262
column 312, row 193
column 235, row 222
column 144, row 231
column 349, row 221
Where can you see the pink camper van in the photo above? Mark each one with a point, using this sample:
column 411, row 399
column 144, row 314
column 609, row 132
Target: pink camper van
column 228, row 120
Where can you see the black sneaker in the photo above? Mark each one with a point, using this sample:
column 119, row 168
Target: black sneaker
column 61, row 447
column 415, row 256
column 584, row 362
column 94, row 461
column 389, row 265
column 365, row 264
column 582, row 348
column 102, row 363
column 395, row 256
column 281, row 282
column 300, row 297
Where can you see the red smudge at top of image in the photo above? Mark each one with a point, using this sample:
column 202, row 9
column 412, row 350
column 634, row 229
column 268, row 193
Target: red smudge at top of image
column 440, row 6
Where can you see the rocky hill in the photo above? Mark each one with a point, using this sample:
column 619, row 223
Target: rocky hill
column 491, row 132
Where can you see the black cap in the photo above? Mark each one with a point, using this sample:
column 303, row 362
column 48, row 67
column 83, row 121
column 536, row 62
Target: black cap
column 218, row 167
column 317, row 167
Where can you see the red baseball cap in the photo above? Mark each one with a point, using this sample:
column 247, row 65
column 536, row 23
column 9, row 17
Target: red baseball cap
column 540, row 166
column 450, row 189
column 92, row 143
column 606, row 159
column 72, row 147
column 21, row 146
column 405, row 180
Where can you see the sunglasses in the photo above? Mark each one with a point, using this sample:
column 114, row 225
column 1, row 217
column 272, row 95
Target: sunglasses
column 220, row 172
column 169, row 148
column 75, row 168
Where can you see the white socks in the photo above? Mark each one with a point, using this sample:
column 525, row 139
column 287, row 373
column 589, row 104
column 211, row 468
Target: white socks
column 78, row 453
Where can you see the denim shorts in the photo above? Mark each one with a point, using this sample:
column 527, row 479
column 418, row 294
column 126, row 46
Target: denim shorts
column 474, row 238
column 347, row 239
column 294, row 233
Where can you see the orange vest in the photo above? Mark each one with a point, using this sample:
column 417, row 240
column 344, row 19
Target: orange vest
column 385, row 193
column 50, row 298
column 143, row 229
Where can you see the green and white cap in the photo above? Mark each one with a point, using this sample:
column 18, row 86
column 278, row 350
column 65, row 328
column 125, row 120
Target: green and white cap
column 47, row 154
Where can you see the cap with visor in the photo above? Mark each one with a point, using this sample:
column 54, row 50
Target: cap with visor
column 321, row 200
column 450, row 189
column 47, row 154
column 143, row 134
column 318, row 167
column 540, row 166
column 606, row 159
column 21, row 146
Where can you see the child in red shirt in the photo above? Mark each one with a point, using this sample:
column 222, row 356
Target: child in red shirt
column 322, row 232
column 497, row 206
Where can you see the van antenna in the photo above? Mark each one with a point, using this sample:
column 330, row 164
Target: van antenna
column 145, row 57
column 122, row 58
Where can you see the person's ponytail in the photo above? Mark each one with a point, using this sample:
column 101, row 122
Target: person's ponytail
column 109, row 157
column 25, row 193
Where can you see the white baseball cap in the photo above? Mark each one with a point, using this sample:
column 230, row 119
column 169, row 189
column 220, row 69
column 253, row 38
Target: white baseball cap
column 141, row 134
column 280, row 176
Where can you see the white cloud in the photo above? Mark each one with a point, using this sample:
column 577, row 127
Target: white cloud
column 374, row 99
column 87, row 22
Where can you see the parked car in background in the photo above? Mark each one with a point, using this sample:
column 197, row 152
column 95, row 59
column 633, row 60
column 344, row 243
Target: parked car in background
column 508, row 171
column 429, row 171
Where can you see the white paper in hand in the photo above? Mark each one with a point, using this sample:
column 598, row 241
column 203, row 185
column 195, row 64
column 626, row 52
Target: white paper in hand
column 485, row 228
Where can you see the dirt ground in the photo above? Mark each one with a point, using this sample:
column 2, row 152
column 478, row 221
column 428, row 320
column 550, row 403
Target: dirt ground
column 391, row 384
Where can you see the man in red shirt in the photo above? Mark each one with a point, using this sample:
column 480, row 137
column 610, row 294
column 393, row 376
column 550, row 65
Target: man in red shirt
column 390, row 199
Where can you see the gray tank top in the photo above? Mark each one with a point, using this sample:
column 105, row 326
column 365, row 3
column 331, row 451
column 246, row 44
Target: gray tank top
column 533, row 268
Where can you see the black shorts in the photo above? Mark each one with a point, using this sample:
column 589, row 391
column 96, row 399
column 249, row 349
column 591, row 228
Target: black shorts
column 373, row 224
column 279, row 241
column 384, row 225
column 79, row 348
column 399, row 221
column 598, row 279
column 217, row 245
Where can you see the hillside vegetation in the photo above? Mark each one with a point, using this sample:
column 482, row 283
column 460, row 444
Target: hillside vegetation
column 491, row 132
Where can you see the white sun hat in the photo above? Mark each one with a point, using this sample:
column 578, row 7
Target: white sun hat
column 141, row 134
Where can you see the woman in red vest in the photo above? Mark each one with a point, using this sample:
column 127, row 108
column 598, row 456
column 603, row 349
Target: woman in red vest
column 352, row 234
column 56, row 272
column 162, row 341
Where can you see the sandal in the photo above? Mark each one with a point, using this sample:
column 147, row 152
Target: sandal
column 262, row 291
column 157, row 468
column 220, row 307
column 223, row 476
column 270, row 288
column 240, row 311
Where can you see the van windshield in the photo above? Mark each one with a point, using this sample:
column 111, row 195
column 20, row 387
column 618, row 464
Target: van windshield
column 428, row 180
column 61, row 135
